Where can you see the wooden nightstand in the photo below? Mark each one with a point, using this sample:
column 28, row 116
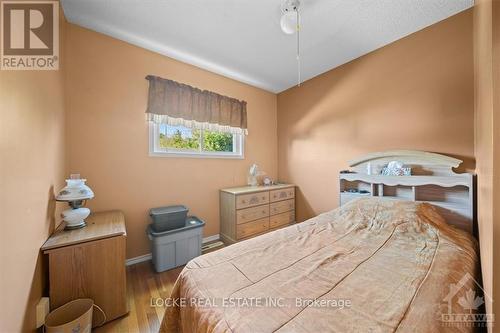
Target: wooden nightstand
column 90, row 263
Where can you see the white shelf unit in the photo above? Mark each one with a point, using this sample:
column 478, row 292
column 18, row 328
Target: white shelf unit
column 452, row 195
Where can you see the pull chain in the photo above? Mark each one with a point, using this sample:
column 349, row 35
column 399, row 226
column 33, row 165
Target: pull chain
column 298, row 46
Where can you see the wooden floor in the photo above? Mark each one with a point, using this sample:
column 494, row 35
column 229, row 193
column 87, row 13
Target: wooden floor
column 143, row 284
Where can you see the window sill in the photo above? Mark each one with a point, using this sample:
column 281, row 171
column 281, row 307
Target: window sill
column 195, row 155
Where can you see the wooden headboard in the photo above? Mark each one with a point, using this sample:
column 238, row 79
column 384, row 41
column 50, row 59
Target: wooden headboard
column 432, row 180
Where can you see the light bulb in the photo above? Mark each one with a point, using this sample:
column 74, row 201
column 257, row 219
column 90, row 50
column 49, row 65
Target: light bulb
column 288, row 22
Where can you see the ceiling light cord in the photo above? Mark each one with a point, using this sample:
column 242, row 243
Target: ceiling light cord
column 298, row 46
column 290, row 24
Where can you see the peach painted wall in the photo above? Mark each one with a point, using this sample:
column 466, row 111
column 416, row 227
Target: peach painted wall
column 107, row 134
column 32, row 169
column 416, row 93
column 487, row 136
column 496, row 158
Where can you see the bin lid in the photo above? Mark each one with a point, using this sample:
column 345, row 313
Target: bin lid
column 191, row 223
column 168, row 210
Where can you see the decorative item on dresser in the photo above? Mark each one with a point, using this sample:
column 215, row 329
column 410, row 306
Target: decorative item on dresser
column 75, row 193
column 249, row 211
column 90, row 263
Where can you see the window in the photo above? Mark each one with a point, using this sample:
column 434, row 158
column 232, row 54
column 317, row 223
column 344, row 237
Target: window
column 180, row 141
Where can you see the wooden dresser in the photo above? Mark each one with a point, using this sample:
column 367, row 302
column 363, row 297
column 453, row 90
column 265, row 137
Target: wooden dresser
column 90, row 263
column 249, row 211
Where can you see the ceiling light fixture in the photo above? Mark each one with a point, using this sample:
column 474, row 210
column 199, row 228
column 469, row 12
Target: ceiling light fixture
column 290, row 24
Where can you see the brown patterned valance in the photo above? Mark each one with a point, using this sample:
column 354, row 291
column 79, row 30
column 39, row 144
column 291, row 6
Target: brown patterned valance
column 174, row 103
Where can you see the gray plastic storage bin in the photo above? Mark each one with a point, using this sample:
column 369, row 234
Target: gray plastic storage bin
column 176, row 247
column 168, row 217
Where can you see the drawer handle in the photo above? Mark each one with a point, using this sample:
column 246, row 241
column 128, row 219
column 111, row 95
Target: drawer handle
column 264, row 211
column 243, row 201
column 243, row 216
column 264, row 198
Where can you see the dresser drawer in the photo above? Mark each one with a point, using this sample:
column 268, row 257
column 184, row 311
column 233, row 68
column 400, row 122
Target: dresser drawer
column 252, row 228
column 282, row 206
column 283, row 194
column 281, row 219
column 252, row 199
column 251, row 214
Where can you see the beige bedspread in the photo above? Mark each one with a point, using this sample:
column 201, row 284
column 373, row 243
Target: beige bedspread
column 369, row 266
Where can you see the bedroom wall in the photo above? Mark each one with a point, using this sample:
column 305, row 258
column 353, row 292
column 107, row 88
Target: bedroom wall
column 32, row 169
column 416, row 93
column 107, row 134
column 487, row 136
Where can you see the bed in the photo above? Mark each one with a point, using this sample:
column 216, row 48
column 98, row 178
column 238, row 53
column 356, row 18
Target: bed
column 375, row 264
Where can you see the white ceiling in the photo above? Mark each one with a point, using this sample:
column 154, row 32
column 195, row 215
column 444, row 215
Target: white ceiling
column 241, row 39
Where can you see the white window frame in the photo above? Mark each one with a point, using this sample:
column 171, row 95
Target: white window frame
column 156, row 151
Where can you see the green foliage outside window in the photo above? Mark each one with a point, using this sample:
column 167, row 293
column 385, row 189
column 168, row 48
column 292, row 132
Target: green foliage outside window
column 212, row 141
column 178, row 141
